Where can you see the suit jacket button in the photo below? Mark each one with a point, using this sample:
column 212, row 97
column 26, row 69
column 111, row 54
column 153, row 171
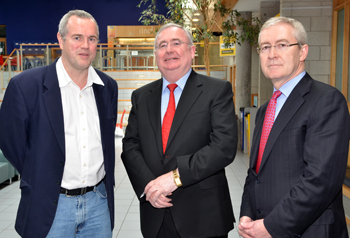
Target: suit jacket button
column 54, row 202
column 258, row 211
column 258, row 181
column 58, row 182
column 61, row 163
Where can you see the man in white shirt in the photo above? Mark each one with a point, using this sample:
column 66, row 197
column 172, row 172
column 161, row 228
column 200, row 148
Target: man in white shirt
column 57, row 128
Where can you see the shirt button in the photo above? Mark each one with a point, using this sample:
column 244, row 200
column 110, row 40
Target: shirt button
column 83, row 181
column 84, row 146
column 82, row 113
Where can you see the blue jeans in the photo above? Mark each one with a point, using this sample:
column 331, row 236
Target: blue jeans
column 82, row 216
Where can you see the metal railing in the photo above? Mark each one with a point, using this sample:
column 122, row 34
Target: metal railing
column 109, row 57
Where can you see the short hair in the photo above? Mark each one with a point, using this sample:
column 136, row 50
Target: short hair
column 62, row 27
column 169, row 25
column 299, row 30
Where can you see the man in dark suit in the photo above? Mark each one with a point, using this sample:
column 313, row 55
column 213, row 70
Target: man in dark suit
column 180, row 181
column 294, row 182
column 57, row 129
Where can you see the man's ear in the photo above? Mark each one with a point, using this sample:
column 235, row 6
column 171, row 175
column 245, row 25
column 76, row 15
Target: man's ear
column 60, row 40
column 303, row 52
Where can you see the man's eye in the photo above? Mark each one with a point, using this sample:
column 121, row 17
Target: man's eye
column 176, row 43
column 282, row 46
column 266, row 47
column 163, row 45
column 77, row 38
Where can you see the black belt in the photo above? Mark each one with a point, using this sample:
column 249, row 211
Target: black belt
column 78, row 191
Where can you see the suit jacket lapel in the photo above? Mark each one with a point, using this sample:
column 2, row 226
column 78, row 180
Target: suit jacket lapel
column 53, row 104
column 189, row 96
column 256, row 136
column 154, row 109
column 290, row 107
column 101, row 103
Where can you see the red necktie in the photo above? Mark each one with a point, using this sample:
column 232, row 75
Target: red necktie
column 169, row 116
column 268, row 123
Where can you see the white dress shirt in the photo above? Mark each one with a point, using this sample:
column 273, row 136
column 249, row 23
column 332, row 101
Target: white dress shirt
column 84, row 164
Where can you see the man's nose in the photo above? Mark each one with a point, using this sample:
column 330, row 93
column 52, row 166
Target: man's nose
column 272, row 52
column 169, row 48
column 85, row 44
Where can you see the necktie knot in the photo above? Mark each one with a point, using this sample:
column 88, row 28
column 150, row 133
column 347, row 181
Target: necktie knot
column 276, row 94
column 172, row 87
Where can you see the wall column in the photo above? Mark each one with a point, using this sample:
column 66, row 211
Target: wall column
column 243, row 71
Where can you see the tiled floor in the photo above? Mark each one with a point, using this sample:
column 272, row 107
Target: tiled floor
column 127, row 221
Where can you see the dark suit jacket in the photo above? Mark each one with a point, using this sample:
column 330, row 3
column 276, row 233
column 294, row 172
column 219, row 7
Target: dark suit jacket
column 298, row 190
column 32, row 139
column 202, row 141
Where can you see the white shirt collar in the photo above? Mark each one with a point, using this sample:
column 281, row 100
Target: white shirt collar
column 64, row 79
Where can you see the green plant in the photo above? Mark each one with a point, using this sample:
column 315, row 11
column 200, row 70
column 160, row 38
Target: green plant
column 181, row 12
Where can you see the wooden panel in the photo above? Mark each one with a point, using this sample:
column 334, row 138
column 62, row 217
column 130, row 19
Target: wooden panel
column 338, row 3
column 334, row 48
column 346, row 191
column 133, row 31
column 349, row 158
column 346, row 52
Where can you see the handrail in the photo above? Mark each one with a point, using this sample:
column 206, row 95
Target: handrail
column 101, row 46
column 10, row 55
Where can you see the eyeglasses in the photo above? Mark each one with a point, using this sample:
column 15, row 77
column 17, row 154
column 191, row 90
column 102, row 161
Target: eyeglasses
column 280, row 47
column 174, row 43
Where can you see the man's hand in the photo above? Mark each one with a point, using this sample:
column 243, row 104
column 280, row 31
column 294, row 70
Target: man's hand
column 158, row 190
column 248, row 228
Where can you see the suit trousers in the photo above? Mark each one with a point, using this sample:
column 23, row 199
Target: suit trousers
column 168, row 229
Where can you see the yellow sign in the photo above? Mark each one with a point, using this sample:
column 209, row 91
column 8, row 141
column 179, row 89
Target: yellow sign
column 230, row 51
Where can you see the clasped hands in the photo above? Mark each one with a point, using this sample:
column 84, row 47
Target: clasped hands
column 248, row 228
column 157, row 191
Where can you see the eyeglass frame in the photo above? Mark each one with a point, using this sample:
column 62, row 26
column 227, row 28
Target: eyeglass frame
column 258, row 49
column 172, row 44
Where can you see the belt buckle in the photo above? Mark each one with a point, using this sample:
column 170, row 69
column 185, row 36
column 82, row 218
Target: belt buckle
column 68, row 195
column 83, row 191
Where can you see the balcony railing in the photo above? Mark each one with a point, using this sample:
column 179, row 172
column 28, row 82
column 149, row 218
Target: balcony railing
column 109, row 57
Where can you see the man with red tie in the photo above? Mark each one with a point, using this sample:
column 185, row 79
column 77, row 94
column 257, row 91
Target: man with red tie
column 300, row 146
column 181, row 134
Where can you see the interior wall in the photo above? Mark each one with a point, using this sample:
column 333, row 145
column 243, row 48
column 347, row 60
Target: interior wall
column 30, row 21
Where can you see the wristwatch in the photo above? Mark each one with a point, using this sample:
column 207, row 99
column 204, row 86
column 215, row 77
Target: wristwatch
column 177, row 179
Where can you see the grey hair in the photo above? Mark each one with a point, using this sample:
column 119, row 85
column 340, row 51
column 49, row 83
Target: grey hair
column 166, row 26
column 62, row 27
column 299, row 30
